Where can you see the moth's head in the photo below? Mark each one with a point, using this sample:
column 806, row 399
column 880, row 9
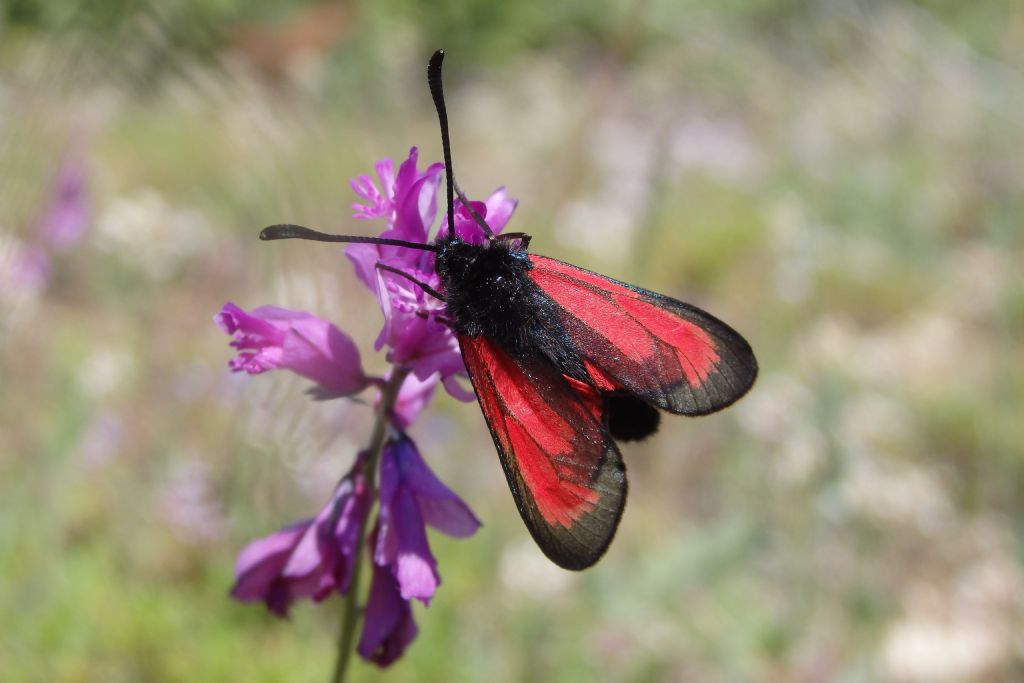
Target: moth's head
column 460, row 262
column 455, row 258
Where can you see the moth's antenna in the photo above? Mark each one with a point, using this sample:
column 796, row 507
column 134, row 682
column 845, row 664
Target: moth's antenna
column 476, row 217
column 437, row 92
column 286, row 231
column 419, row 283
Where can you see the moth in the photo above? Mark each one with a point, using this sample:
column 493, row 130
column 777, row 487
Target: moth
column 565, row 363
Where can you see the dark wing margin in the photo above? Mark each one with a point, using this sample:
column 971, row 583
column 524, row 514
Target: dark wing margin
column 565, row 472
column 670, row 354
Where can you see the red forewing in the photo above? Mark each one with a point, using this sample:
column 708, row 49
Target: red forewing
column 564, row 469
column 670, row 354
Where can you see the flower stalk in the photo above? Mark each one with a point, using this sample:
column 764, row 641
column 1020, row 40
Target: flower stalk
column 351, row 613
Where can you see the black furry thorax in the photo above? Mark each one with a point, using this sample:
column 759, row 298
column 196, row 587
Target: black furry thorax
column 491, row 294
column 487, row 287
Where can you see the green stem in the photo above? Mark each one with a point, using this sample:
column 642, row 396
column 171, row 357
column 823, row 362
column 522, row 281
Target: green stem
column 351, row 616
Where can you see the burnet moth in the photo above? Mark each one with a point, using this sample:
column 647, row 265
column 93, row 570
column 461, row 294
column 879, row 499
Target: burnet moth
column 564, row 363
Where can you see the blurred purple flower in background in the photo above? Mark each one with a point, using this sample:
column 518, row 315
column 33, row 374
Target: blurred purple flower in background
column 310, row 558
column 62, row 224
column 68, row 217
column 314, row 558
column 29, row 267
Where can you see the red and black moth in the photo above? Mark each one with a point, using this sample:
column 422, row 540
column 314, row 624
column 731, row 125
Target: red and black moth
column 565, row 362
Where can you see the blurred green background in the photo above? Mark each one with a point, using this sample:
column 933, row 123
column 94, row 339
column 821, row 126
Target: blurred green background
column 843, row 181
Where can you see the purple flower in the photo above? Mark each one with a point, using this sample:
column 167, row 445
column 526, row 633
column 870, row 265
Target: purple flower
column 414, row 336
column 408, row 202
column 67, row 218
column 313, row 558
column 270, row 337
column 310, row 558
column 29, row 268
column 388, row 627
column 411, row 497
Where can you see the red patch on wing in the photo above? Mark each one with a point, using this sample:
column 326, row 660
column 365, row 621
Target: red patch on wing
column 693, row 347
column 601, row 380
column 559, row 501
column 634, row 326
column 540, row 439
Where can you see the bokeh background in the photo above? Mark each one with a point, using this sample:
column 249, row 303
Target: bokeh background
column 842, row 180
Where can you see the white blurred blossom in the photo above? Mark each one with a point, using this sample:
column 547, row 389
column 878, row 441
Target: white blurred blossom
column 800, row 455
column 105, row 371
column 976, row 276
column 828, row 344
column 967, row 626
column 925, row 350
column 875, row 422
column 937, row 651
column 145, row 230
column 776, row 408
column 896, row 493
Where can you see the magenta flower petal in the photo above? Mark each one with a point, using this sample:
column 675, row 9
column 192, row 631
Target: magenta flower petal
column 321, row 352
column 270, row 338
column 402, row 537
column 364, row 258
column 415, row 199
column 378, row 202
column 409, row 204
column 500, row 208
column 308, row 559
column 457, row 390
column 412, row 333
column 466, row 227
column 413, row 397
column 412, row 563
column 259, row 566
column 386, row 173
column 389, row 626
column 440, row 507
column 411, row 497
column 496, row 212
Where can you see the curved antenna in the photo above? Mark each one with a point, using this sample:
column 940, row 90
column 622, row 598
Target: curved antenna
column 476, row 217
column 437, row 92
column 419, row 283
column 286, row 231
